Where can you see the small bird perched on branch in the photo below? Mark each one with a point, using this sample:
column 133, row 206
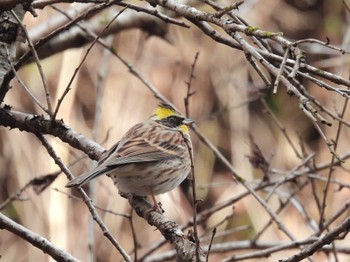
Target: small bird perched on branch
column 152, row 158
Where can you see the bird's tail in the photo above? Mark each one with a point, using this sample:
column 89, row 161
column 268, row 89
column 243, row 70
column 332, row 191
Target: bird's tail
column 82, row 179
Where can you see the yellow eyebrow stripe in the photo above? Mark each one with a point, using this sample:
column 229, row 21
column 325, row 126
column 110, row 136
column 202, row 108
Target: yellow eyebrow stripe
column 162, row 112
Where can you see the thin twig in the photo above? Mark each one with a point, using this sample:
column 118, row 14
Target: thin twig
column 195, row 201
column 334, row 157
column 85, row 198
column 322, row 241
column 25, row 88
column 228, row 9
column 108, row 211
column 188, row 83
column 277, row 184
column 101, row 79
column 281, row 127
column 60, row 100
column 37, row 61
column 134, row 239
column 325, row 44
column 210, row 244
column 282, row 206
column 280, row 71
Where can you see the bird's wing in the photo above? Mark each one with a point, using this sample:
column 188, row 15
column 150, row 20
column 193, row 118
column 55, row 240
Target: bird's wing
column 139, row 151
column 144, row 143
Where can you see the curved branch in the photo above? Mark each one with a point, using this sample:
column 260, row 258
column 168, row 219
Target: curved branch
column 322, row 241
column 185, row 248
column 71, row 34
column 36, row 240
column 39, row 124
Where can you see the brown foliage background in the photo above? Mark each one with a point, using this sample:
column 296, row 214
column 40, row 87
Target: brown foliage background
column 227, row 109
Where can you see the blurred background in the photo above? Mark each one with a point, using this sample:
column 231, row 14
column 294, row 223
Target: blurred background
column 105, row 100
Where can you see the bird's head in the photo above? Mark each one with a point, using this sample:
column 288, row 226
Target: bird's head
column 168, row 116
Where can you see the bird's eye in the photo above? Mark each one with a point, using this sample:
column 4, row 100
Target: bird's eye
column 175, row 120
column 172, row 118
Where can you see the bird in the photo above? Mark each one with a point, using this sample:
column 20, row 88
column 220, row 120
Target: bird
column 152, row 158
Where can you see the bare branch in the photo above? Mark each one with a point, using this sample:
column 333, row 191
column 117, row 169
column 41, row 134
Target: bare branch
column 37, row 124
column 36, row 240
column 322, row 241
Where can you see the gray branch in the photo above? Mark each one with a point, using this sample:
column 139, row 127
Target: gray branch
column 36, row 240
column 39, row 124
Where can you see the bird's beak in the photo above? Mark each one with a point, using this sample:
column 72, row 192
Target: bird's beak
column 188, row 121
